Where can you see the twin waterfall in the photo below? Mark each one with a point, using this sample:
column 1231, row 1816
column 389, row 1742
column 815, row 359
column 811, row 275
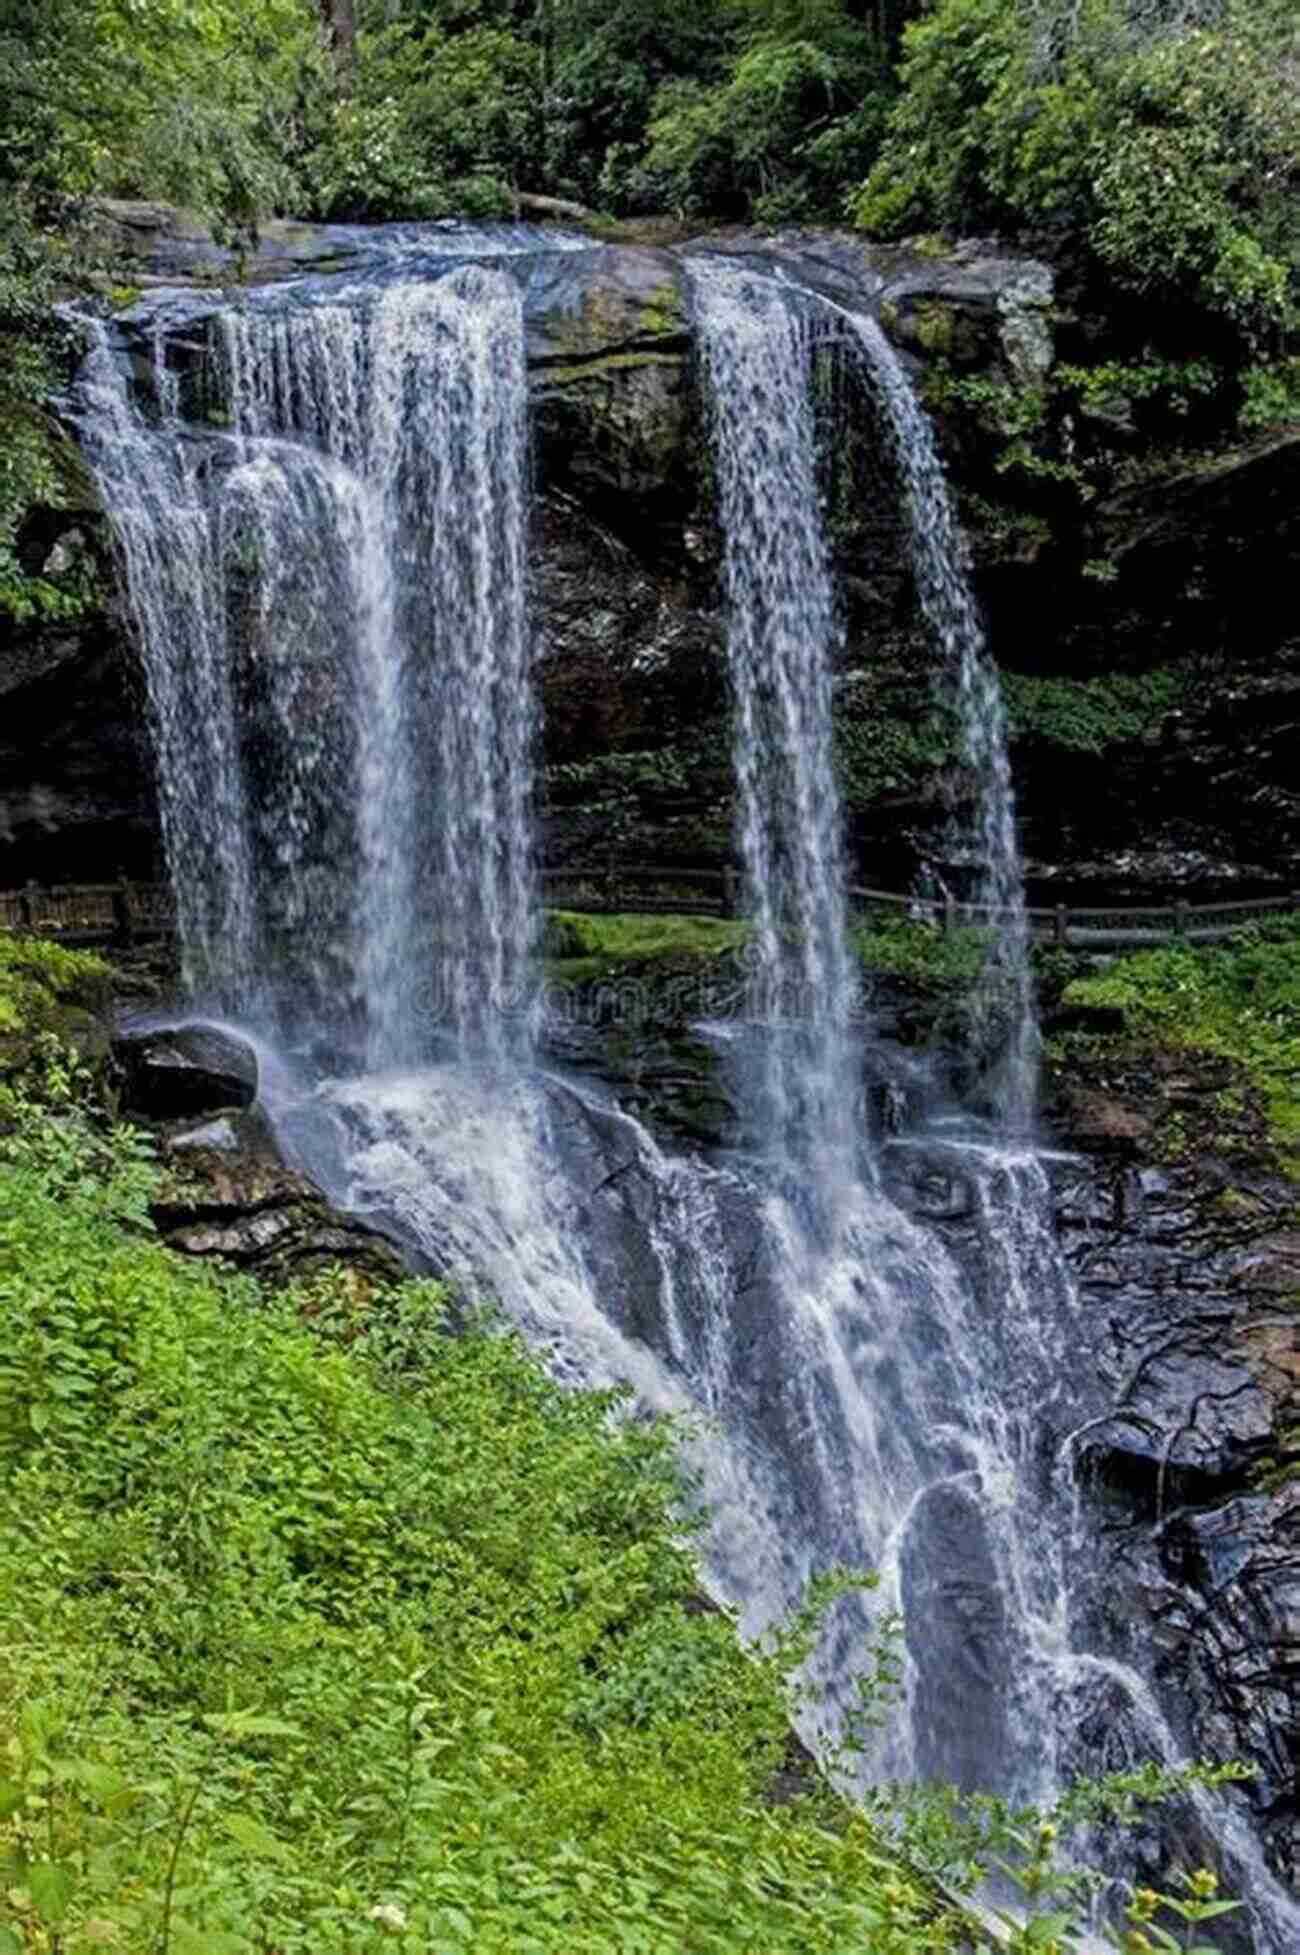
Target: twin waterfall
column 324, row 539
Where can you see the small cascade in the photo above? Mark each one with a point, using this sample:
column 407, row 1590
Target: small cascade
column 755, row 348
column 1002, row 1013
column 331, row 607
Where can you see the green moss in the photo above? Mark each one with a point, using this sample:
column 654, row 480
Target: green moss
column 595, row 946
column 938, row 964
column 931, row 326
column 663, row 310
column 591, row 369
column 1239, row 1001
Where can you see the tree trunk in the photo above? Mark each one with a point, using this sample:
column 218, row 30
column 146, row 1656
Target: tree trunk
column 339, row 17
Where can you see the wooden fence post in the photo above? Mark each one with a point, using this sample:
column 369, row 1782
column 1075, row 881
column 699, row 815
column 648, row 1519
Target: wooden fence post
column 1180, row 917
column 27, row 905
column 730, row 892
column 123, row 912
column 949, row 911
column 1061, row 928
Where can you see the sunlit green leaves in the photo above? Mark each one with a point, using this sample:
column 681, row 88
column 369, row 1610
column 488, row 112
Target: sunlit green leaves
column 1172, row 150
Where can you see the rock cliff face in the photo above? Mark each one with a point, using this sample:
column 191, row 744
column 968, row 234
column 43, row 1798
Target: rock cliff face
column 1148, row 633
column 1183, row 1237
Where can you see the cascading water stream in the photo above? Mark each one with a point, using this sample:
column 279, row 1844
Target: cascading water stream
column 150, row 482
column 755, row 349
column 1003, row 1014
column 331, row 610
column 425, row 395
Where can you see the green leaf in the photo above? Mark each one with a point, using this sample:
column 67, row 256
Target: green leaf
column 11, row 1797
column 249, row 1724
column 254, row 1837
column 9, row 1942
column 207, row 1941
column 50, row 1885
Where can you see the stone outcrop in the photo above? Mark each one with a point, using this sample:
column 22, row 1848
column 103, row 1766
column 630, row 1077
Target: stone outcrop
column 1183, row 1238
column 226, row 1190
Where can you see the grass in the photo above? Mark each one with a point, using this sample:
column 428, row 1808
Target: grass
column 579, row 947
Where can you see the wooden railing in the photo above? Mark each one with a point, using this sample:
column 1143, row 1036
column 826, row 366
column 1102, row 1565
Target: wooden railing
column 125, row 913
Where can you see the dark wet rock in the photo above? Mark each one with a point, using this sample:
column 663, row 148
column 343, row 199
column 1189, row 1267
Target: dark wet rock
column 1180, row 1230
column 227, row 1193
column 174, row 1074
column 950, row 1581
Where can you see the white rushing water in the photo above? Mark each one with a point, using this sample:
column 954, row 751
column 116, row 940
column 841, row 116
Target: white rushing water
column 334, row 636
column 755, row 348
column 1003, row 1017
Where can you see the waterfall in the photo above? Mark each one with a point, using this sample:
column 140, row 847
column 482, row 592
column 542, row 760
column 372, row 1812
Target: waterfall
column 755, row 348
column 1002, row 1013
column 329, row 597
column 332, row 616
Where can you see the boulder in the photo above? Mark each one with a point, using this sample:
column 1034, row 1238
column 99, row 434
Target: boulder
column 181, row 1072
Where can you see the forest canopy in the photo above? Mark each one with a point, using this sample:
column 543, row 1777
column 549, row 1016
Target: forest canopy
column 1156, row 143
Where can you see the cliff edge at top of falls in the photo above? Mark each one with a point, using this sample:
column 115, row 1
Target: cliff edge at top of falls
column 1137, row 587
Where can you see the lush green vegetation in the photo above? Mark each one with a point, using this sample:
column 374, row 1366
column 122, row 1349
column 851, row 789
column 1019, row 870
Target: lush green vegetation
column 1158, row 144
column 578, row 946
column 41, row 983
column 1087, row 715
column 1167, row 139
column 939, row 964
column 1240, row 1000
column 319, row 1626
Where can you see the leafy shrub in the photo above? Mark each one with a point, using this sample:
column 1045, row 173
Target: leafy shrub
column 306, row 1636
column 37, row 977
column 938, row 963
column 1088, row 715
column 1173, row 150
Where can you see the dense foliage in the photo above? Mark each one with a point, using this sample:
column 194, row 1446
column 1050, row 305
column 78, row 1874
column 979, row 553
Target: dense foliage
column 1161, row 141
column 1168, row 140
column 312, row 1636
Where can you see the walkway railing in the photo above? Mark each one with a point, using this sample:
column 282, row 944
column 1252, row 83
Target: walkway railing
column 125, row 913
